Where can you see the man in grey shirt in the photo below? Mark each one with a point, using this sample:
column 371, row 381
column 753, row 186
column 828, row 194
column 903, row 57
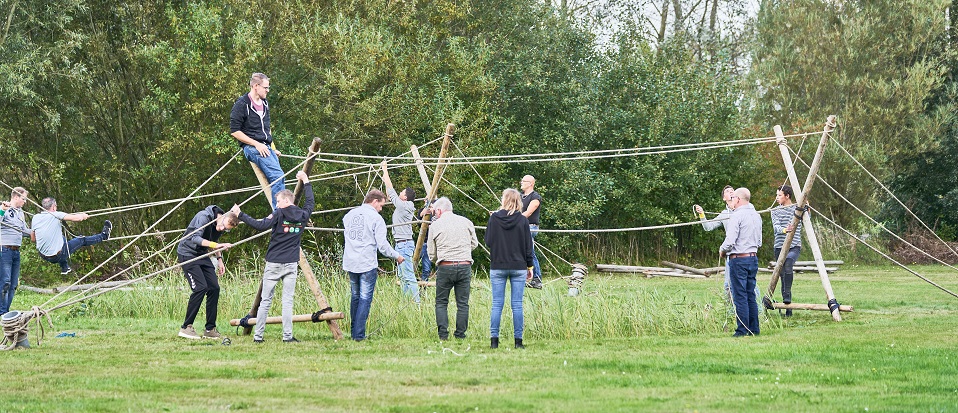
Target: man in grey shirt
column 451, row 241
column 48, row 228
column 13, row 228
column 743, row 237
column 402, row 233
column 365, row 234
column 720, row 221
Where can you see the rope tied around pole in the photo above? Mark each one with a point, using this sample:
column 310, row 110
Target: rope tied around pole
column 16, row 328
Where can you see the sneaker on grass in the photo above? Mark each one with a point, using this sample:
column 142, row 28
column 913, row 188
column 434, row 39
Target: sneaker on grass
column 189, row 333
column 212, row 334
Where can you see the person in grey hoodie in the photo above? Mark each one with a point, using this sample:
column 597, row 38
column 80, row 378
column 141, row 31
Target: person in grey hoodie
column 365, row 234
column 510, row 247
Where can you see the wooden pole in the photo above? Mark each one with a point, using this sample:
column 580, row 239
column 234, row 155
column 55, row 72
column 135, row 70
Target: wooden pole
column 298, row 318
column 440, row 165
column 802, row 200
column 269, row 199
column 685, row 268
column 421, row 168
column 318, row 294
column 310, row 160
column 818, row 307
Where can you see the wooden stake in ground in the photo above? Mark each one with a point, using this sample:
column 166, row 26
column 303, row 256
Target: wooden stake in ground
column 434, row 189
column 802, row 201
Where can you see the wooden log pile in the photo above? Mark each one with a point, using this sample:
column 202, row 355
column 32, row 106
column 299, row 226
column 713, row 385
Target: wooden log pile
column 801, row 266
column 669, row 269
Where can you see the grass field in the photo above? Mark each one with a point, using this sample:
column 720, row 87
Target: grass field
column 626, row 344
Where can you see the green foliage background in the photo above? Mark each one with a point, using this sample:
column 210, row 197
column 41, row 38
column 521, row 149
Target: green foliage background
column 111, row 103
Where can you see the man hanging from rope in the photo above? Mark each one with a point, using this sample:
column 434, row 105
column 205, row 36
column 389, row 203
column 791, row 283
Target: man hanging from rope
column 13, row 228
column 199, row 239
column 282, row 255
column 48, row 231
column 402, row 233
column 249, row 124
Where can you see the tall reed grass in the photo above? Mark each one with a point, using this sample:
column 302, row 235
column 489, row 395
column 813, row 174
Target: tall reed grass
column 607, row 307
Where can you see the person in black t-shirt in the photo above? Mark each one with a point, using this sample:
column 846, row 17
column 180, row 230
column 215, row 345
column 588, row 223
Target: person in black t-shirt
column 531, row 203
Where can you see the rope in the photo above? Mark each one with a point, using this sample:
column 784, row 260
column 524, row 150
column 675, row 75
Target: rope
column 883, row 187
column 147, row 229
column 884, row 255
column 494, row 197
column 172, row 243
column 17, row 329
column 882, row 226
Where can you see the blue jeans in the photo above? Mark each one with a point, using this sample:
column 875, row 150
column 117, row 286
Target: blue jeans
column 742, row 282
column 426, row 264
column 728, row 291
column 9, row 276
column 270, row 167
column 71, row 246
column 517, row 280
column 536, row 270
column 361, row 286
column 410, row 286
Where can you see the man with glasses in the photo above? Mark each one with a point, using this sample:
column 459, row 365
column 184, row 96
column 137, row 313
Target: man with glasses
column 743, row 237
column 531, row 201
column 249, row 124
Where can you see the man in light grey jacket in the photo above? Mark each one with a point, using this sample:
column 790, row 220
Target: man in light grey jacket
column 365, row 235
column 402, row 233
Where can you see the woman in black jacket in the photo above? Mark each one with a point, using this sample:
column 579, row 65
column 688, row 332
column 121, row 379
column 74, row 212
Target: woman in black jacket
column 510, row 246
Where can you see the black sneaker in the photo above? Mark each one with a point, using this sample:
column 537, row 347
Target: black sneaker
column 107, row 227
column 258, row 341
column 537, row 284
column 292, row 340
column 66, row 271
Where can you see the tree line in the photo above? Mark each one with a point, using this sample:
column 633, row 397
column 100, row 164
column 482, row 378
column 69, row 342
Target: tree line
column 112, row 103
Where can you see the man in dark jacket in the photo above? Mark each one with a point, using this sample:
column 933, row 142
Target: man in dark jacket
column 249, row 124
column 199, row 240
column 282, row 256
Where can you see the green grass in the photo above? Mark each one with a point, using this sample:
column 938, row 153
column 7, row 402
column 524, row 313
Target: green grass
column 626, row 344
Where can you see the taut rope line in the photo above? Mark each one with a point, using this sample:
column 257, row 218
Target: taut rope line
column 147, row 229
column 883, row 254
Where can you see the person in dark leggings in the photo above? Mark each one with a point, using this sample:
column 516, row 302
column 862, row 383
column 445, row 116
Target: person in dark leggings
column 782, row 225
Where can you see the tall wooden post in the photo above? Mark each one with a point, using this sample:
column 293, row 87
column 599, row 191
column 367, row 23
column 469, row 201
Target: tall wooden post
column 421, row 168
column 802, row 193
column 440, row 165
column 303, row 263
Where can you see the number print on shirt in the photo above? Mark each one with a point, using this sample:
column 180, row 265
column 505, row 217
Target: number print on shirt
column 355, row 230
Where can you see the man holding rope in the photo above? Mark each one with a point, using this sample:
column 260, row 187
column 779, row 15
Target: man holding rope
column 249, row 124
column 200, row 239
column 48, row 233
column 402, row 233
column 12, row 231
column 365, row 235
